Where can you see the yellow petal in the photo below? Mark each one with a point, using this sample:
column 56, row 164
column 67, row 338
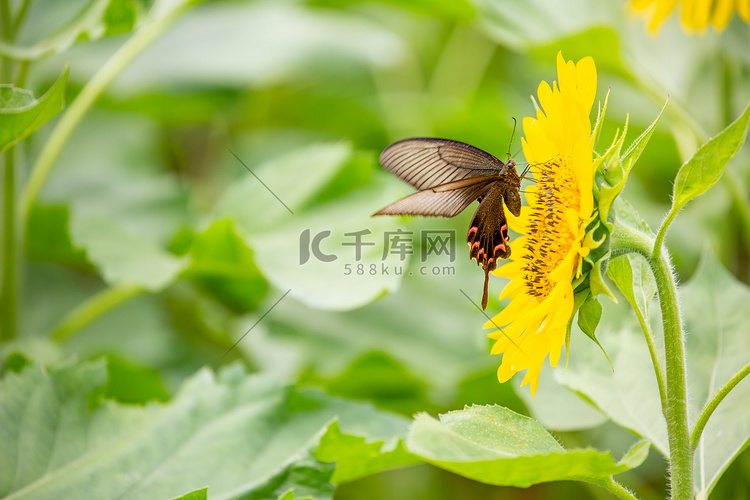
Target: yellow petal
column 722, row 13
column 743, row 9
column 663, row 9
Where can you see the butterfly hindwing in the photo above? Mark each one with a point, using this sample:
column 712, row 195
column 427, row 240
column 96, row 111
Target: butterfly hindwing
column 425, row 162
column 488, row 234
column 447, row 200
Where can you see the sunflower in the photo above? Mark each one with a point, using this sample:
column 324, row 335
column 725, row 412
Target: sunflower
column 548, row 256
column 696, row 14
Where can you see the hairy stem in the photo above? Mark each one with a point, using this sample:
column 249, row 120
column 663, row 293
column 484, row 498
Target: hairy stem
column 675, row 411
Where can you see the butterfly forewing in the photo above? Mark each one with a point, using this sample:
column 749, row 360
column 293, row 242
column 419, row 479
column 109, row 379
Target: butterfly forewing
column 427, row 162
column 447, row 200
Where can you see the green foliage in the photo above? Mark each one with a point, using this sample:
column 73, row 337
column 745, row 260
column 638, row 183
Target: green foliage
column 48, row 236
column 201, row 494
column 704, row 169
column 222, row 265
column 589, row 315
column 122, row 257
column 244, row 435
column 183, row 199
column 21, row 114
column 357, row 457
column 716, row 319
column 92, row 20
column 497, row 446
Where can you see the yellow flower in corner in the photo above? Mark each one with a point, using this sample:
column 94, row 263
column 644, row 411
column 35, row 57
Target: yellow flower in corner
column 548, row 257
column 695, row 15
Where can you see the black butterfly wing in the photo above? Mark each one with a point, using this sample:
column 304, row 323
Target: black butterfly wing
column 446, row 200
column 488, row 234
column 426, row 162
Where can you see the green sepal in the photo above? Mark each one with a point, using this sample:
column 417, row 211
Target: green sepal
column 639, row 144
column 597, row 239
column 596, row 279
column 609, row 176
column 597, row 130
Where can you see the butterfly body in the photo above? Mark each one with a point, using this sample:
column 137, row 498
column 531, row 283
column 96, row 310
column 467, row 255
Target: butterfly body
column 450, row 175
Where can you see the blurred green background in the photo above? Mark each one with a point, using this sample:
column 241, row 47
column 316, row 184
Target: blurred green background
column 148, row 199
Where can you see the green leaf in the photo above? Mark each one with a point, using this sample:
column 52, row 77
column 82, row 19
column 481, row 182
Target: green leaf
column 130, row 383
column 201, row 494
column 222, row 265
column 262, row 203
column 306, row 248
column 95, row 19
column 357, row 457
column 589, row 315
column 238, row 435
column 493, row 445
column 294, row 36
column 629, row 215
column 556, row 407
column 103, row 156
column 453, row 10
column 714, row 305
column 704, row 169
column 48, row 237
column 329, row 342
column 627, row 394
column 634, row 279
column 123, row 257
column 121, row 16
column 544, row 34
column 600, row 42
column 379, row 378
column 21, row 114
column 637, row 454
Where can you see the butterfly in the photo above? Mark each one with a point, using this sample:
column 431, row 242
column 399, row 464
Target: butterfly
column 450, row 175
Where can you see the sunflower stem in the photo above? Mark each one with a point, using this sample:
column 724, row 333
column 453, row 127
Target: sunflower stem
column 675, row 410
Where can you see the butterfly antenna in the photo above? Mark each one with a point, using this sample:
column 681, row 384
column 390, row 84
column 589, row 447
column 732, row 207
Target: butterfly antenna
column 512, row 134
